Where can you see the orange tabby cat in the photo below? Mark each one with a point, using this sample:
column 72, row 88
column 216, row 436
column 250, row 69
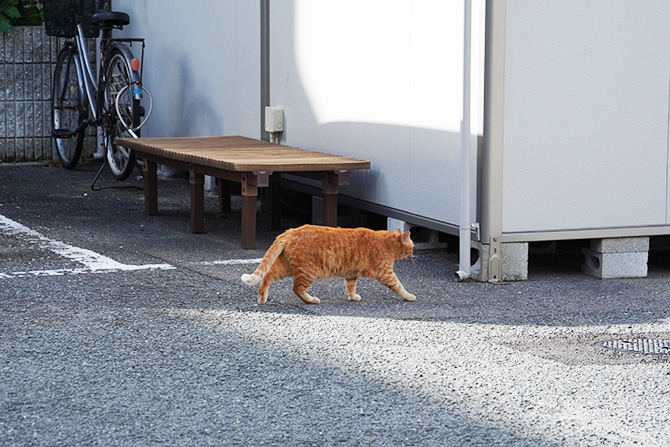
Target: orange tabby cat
column 312, row 252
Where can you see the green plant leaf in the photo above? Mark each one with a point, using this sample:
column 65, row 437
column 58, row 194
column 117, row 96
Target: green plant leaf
column 12, row 12
column 5, row 4
column 33, row 16
column 4, row 25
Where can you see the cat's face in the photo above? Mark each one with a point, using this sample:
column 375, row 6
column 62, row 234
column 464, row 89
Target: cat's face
column 406, row 246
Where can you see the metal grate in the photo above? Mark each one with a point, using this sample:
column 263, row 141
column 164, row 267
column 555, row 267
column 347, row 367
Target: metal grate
column 639, row 345
column 27, row 57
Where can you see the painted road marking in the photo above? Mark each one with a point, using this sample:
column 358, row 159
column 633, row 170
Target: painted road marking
column 231, row 262
column 92, row 262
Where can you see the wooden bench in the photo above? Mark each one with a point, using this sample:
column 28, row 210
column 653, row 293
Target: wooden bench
column 245, row 160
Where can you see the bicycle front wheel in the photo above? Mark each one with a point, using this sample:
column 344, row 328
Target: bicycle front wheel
column 67, row 109
column 124, row 112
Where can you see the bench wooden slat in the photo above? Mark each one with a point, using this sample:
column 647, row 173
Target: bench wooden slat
column 241, row 154
column 243, row 160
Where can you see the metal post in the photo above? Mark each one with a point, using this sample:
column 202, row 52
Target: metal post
column 265, row 65
column 465, row 221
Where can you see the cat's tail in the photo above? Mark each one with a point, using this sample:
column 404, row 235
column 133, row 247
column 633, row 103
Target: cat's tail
column 252, row 279
column 271, row 255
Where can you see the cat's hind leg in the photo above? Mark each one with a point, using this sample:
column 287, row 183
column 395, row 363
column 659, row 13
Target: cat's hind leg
column 392, row 282
column 279, row 270
column 351, row 289
column 300, row 284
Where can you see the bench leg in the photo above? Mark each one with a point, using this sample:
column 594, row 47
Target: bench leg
column 150, row 187
column 330, row 210
column 249, row 198
column 197, row 202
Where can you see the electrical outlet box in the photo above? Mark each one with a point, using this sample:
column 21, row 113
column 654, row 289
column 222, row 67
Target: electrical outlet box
column 274, row 119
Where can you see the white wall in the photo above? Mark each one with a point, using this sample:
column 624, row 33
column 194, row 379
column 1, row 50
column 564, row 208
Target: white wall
column 374, row 79
column 202, row 65
column 380, row 80
column 586, row 114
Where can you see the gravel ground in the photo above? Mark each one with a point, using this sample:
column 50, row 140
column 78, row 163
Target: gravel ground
column 184, row 355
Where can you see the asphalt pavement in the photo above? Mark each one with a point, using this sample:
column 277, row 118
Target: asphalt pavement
column 122, row 329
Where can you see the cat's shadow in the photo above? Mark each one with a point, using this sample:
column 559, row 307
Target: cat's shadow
column 556, row 294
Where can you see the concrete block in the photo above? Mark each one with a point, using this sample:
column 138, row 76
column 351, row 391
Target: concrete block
column 617, row 258
column 210, row 183
column 514, row 258
column 621, row 245
column 615, row 265
column 429, row 239
column 170, row 172
column 392, row 224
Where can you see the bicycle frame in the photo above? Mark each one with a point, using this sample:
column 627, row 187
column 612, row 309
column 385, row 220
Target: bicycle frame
column 88, row 84
column 112, row 86
column 87, row 81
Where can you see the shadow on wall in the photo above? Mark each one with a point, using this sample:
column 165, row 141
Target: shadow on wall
column 414, row 158
column 414, row 167
column 197, row 113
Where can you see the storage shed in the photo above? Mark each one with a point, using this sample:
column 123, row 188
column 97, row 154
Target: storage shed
column 569, row 109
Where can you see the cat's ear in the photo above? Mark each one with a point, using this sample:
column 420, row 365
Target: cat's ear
column 397, row 231
column 405, row 237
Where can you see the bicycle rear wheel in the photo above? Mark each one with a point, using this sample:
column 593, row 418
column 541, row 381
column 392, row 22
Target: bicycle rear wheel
column 120, row 100
column 67, row 109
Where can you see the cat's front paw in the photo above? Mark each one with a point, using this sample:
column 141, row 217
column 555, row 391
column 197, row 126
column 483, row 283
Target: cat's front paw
column 355, row 297
column 409, row 297
column 309, row 299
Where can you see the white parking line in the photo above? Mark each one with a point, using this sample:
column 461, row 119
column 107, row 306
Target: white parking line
column 231, row 262
column 92, row 262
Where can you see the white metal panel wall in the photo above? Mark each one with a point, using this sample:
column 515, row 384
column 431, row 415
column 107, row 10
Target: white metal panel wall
column 586, row 114
column 379, row 80
column 202, row 65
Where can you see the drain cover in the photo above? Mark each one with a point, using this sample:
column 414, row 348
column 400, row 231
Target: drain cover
column 639, row 345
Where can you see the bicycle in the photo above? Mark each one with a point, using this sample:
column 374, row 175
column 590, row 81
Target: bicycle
column 78, row 100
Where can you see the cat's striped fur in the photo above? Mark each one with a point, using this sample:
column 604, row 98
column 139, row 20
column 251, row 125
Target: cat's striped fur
column 313, row 252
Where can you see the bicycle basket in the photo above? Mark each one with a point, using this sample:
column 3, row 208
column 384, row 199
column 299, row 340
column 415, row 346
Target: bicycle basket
column 59, row 17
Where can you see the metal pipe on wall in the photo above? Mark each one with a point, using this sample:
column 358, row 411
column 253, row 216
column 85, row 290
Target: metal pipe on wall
column 265, row 65
column 465, row 224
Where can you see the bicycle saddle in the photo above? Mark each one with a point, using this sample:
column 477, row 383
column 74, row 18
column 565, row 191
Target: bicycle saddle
column 114, row 18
